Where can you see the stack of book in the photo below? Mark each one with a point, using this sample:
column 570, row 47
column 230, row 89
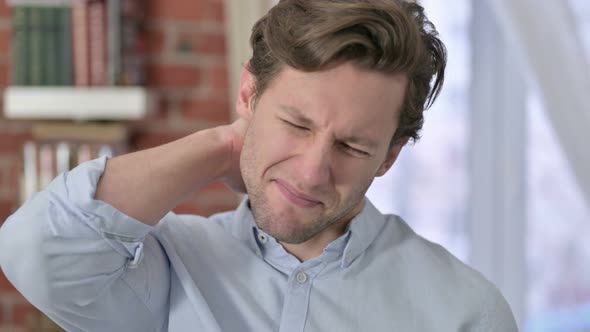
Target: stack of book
column 86, row 43
column 58, row 147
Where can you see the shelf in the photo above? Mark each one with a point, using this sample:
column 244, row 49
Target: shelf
column 41, row 2
column 67, row 103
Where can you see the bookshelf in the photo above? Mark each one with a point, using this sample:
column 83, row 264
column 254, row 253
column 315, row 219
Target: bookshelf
column 77, row 72
column 80, row 60
column 77, row 78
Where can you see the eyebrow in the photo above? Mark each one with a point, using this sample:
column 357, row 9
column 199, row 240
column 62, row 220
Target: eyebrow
column 305, row 121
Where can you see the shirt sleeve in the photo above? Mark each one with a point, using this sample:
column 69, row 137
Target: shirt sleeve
column 84, row 264
column 496, row 316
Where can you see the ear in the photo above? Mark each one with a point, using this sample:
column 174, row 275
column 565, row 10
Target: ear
column 392, row 155
column 246, row 94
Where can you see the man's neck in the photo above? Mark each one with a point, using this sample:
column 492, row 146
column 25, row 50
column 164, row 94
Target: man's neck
column 315, row 246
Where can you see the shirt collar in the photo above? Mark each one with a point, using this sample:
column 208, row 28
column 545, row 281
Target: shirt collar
column 244, row 227
column 362, row 231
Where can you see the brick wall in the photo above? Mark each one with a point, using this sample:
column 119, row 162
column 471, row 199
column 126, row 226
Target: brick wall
column 186, row 72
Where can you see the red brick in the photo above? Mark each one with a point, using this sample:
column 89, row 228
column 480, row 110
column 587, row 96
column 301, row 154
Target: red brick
column 207, row 110
column 218, row 76
column 5, row 37
column 213, row 199
column 24, row 314
column 5, row 285
column 143, row 141
column 182, row 10
column 155, row 40
column 13, row 180
column 162, row 109
column 173, row 76
column 201, row 43
column 6, row 209
column 212, row 44
column 5, row 10
column 9, row 177
column 4, row 74
column 12, row 144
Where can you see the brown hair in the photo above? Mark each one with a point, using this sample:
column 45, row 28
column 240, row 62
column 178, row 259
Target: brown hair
column 392, row 36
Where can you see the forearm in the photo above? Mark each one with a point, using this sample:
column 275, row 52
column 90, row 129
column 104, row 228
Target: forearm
column 72, row 257
column 148, row 184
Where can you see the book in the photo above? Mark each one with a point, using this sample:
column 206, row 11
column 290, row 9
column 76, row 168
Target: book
column 20, row 46
column 84, row 153
column 97, row 36
column 46, row 166
column 105, row 151
column 64, row 47
column 114, row 41
column 62, row 157
column 35, row 57
column 132, row 43
column 49, row 21
column 30, row 181
column 80, row 43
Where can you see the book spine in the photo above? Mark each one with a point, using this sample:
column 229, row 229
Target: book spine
column 114, row 41
column 46, row 165
column 65, row 51
column 132, row 43
column 62, row 157
column 20, row 46
column 80, row 41
column 97, row 35
column 36, row 46
column 84, row 153
column 30, row 179
column 49, row 46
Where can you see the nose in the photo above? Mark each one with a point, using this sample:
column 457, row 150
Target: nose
column 315, row 166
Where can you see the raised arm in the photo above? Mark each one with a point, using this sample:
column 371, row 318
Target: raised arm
column 147, row 184
column 83, row 250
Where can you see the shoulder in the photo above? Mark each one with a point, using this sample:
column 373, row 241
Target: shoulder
column 182, row 225
column 436, row 274
column 398, row 242
column 193, row 231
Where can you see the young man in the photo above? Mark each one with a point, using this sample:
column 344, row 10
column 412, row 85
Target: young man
column 332, row 93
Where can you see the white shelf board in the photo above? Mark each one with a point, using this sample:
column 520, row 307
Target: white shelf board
column 75, row 103
column 41, row 2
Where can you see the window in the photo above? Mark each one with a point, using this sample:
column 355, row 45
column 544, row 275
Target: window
column 558, row 221
column 427, row 186
column 433, row 185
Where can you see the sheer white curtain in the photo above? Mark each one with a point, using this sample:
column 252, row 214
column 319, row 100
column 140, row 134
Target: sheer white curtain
column 545, row 37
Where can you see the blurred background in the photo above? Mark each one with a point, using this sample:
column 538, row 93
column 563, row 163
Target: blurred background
column 501, row 176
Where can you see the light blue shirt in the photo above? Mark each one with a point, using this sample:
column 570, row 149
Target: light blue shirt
column 91, row 268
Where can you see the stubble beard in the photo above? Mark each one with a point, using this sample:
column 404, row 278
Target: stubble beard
column 297, row 231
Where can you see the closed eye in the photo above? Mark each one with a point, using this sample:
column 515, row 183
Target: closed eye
column 355, row 151
column 291, row 124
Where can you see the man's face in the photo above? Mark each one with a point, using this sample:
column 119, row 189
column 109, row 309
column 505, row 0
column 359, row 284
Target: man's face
column 315, row 143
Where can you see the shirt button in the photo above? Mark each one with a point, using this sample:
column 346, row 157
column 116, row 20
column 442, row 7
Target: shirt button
column 263, row 238
column 301, row 277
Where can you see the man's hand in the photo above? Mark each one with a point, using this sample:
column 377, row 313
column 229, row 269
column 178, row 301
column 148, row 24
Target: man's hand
column 148, row 184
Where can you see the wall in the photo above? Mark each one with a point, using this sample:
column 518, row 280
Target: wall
column 186, row 72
